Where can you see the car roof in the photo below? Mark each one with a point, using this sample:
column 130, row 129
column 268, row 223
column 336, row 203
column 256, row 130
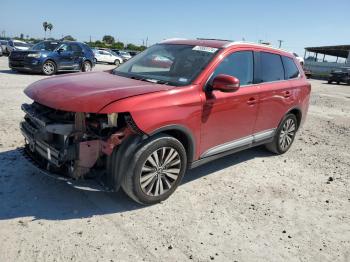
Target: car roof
column 222, row 44
column 18, row 41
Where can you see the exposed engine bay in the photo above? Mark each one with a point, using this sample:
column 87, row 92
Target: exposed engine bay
column 73, row 144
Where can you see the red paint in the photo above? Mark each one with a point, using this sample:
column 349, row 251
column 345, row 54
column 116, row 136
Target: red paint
column 212, row 118
column 87, row 92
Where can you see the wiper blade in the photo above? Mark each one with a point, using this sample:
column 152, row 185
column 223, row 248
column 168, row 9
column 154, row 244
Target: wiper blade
column 150, row 80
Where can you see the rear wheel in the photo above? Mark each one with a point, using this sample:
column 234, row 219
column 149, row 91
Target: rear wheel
column 156, row 170
column 49, row 68
column 86, row 67
column 284, row 136
column 117, row 62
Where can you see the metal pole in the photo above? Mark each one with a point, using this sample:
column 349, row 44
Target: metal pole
column 280, row 43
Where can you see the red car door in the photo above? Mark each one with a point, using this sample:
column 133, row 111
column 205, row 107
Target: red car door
column 276, row 95
column 229, row 118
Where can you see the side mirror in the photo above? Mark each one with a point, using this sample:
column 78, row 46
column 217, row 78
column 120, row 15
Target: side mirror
column 60, row 50
column 225, row 83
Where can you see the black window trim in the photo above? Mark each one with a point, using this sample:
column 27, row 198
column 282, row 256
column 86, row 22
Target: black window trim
column 207, row 83
column 259, row 81
column 285, row 71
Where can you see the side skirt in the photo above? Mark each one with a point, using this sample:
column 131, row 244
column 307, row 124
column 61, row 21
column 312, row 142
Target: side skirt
column 210, row 158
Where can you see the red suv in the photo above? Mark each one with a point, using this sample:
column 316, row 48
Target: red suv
column 177, row 105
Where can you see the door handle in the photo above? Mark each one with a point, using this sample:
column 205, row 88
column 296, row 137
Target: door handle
column 287, row 94
column 251, row 101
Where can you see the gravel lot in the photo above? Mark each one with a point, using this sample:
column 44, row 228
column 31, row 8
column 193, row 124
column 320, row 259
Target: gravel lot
column 251, row 206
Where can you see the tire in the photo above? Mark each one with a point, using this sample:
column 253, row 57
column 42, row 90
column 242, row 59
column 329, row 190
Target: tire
column 49, row 68
column 86, row 67
column 145, row 181
column 330, row 82
column 338, row 83
column 283, row 140
column 117, row 62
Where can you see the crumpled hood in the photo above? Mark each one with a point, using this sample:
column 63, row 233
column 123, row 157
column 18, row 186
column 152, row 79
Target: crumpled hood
column 87, row 92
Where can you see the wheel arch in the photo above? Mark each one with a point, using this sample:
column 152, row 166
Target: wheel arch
column 184, row 135
column 298, row 114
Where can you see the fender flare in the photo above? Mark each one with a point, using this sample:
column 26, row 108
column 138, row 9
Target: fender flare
column 190, row 146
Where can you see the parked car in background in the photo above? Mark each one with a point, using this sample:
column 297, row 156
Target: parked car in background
column 1, row 53
column 106, row 56
column 3, row 44
column 143, row 125
column 14, row 45
column 133, row 52
column 49, row 57
column 341, row 75
column 123, row 54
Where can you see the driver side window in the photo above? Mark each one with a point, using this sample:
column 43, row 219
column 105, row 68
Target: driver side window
column 66, row 47
column 240, row 65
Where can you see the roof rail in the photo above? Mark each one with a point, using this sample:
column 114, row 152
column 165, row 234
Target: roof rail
column 172, row 39
column 255, row 44
column 217, row 39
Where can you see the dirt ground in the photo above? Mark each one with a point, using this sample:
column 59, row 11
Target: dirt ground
column 250, row 206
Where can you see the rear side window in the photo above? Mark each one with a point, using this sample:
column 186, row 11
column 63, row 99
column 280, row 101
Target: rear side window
column 271, row 67
column 240, row 65
column 76, row 48
column 291, row 70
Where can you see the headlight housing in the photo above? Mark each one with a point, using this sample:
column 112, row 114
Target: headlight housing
column 35, row 55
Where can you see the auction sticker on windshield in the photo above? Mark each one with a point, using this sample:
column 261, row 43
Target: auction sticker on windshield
column 205, row 49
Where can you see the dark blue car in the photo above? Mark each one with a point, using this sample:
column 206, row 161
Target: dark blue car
column 49, row 57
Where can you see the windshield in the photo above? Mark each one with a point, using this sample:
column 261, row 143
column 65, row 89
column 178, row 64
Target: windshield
column 170, row 64
column 48, row 46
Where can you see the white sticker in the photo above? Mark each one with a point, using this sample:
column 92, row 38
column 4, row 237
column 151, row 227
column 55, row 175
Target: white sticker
column 205, row 49
column 181, row 79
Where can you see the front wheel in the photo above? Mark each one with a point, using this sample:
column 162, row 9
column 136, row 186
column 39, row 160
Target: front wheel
column 284, row 135
column 49, row 68
column 117, row 62
column 156, row 170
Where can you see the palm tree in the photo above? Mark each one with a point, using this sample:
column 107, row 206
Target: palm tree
column 49, row 26
column 45, row 26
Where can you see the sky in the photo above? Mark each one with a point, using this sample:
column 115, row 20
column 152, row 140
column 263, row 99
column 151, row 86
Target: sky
column 299, row 23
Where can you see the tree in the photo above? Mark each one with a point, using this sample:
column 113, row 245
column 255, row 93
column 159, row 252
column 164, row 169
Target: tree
column 135, row 47
column 118, row 45
column 50, row 27
column 68, row 38
column 45, row 24
column 108, row 39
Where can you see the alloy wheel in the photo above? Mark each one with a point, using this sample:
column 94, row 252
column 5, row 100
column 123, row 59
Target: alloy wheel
column 49, row 68
column 287, row 134
column 87, row 67
column 160, row 171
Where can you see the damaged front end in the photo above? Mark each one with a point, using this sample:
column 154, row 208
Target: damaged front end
column 73, row 144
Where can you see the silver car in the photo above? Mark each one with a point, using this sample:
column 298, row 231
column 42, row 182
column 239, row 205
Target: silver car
column 17, row 45
column 3, row 44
